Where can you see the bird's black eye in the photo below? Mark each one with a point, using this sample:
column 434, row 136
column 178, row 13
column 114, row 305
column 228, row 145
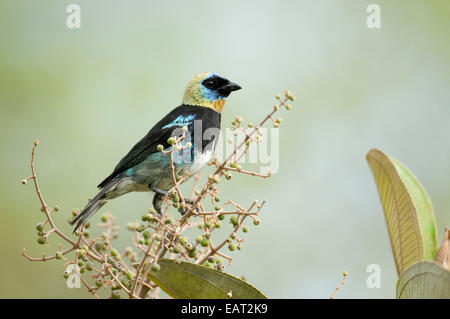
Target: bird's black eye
column 209, row 84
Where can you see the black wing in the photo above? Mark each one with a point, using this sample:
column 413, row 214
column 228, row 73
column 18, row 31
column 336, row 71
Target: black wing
column 159, row 134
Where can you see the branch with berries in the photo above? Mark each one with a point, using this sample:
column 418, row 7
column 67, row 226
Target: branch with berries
column 104, row 271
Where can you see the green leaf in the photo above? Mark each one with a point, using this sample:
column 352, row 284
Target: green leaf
column 424, row 280
column 407, row 209
column 190, row 281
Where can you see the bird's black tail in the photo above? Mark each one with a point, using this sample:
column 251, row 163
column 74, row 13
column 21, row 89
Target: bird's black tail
column 95, row 204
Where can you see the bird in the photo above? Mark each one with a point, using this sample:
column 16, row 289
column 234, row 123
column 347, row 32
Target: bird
column 145, row 168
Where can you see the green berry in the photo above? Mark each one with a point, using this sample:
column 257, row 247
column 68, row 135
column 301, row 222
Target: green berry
column 256, row 222
column 245, row 229
column 234, row 220
column 208, row 265
column 199, row 239
column 193, row 253
column 160, row 148
column 99, row 282
column 183, row 240
column 156, row 267
column 115, row 294
column 130, row 275
column 204, row 243
column 114, row 252
column 176, row 250
column 146, row 234
column 171, row 141
column 40, row 226
column 59, row 255
column 221, row 216
column 104, row 218
column 217, row 224
column 41, row 240
column 189, row 246
column 89, row 266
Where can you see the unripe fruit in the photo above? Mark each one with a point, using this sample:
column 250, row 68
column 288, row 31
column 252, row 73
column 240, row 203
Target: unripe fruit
column 193, row 253
column 176, row 250
column 156, row 267
column 234, row 220
column 41, row 240
column 183, row 240
column 59, row 255
column 114, row 252
column 245, row 229
column 221, row 217
column 231, row 247
column 204, row 243
column 115, row 294
column 256, row 221
column 40, row 226
column 160, row 148
column 208, row 265
column 171, row 141
column 188, row 246
column 130, row 275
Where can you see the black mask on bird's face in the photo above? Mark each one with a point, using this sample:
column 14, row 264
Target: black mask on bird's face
column 208, row 90
column 217, row 87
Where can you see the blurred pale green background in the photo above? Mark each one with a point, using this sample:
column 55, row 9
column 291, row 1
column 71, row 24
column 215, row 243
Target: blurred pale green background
column 88, row 95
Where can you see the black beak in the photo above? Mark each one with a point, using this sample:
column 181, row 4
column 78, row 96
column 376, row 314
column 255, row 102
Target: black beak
column 233, row 86
column 226, row 89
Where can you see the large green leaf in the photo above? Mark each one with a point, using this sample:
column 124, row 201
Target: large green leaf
column 407, row 209
column 424, row 280
column 190, row 281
